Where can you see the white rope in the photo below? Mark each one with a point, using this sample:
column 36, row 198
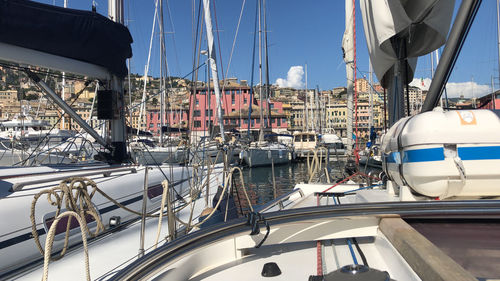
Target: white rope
column 163, row 199
column 49, row 241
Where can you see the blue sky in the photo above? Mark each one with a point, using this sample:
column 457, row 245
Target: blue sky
column 300, row 32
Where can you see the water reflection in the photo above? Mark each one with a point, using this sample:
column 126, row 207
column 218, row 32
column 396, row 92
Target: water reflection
column 259, row 182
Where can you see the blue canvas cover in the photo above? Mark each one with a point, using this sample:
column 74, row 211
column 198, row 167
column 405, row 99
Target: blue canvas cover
column 82, row 35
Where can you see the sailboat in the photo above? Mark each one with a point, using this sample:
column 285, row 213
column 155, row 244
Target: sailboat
column 344, row 231
column 58, row 206
column 170, row 149
column 263, row 152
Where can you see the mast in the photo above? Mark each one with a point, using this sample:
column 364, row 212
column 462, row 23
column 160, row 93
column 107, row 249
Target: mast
column 118, row 132
column 162, row 65
column 268, row 106
column 213, row 65
column 307, row 107
column 436, row 55
column 146, row 69
column 370, row 93
column 493, row 106
column 261, row 129
column 317, row 115
column 348, row 48
column 63, row 120
column 498, row 39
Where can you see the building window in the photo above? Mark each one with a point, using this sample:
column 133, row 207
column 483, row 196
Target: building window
column 278, row 122
column 197, row 124
column 196, row 113
column 197, row 102
column 245, row 101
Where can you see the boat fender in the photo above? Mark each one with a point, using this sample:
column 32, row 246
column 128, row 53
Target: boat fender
column 253, row 219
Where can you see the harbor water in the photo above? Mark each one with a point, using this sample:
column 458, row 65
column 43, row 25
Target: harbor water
column 259, row 181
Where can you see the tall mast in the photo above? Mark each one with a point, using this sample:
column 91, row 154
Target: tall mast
column 307, row 106
column 146, row 69
column 63, row 120
column 317, row 115
column 261, row 129
column 370, row 93
column 268, row 106
column 162, row 65
column 118, row 132
column 498, row 37
column 213, row 64
column 436, row 55
column 348, row 47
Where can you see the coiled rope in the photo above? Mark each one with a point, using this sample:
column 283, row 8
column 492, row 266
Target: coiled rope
column 49, row 240
column 73, row 193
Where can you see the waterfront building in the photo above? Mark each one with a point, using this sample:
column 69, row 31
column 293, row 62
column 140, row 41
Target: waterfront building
column 489, row 101
column 236, row 101
column 8, row 97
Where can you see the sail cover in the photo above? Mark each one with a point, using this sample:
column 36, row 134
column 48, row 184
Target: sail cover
column 81, row 35
column 423, row 23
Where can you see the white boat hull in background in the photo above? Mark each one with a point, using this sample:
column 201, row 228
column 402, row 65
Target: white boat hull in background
column 125, row 186
column 266, row 155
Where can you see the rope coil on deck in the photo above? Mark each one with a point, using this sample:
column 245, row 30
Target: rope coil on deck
column 49, row 241
column 73, row 193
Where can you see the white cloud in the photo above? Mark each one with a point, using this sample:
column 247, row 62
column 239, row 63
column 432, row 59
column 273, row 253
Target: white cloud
column 293, row 78
column 456, row 89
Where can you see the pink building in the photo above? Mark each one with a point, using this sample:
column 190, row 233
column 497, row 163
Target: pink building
column 174, row 118
column 235, row 105
column 485, row 102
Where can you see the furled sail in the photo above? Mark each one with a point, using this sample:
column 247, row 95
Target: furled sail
column 81, row 35
column 423, row 24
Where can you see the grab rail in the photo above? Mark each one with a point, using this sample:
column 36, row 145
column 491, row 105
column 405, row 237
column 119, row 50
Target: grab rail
column 279, row 200
column 106, row 173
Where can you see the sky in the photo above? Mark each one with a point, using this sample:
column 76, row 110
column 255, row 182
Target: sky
column 299, row 33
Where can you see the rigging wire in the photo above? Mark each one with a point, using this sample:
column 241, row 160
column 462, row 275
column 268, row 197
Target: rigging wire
column 173, row 38
column 223, row 93
column 250, row 102
column 235, row 37
column 55, row 124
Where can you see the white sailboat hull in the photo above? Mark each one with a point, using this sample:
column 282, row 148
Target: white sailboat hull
column 266, row 156
column 125, row 187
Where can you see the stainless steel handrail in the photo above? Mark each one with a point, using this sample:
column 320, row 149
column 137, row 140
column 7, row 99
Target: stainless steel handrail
column 279, row 200
column 106, row 173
